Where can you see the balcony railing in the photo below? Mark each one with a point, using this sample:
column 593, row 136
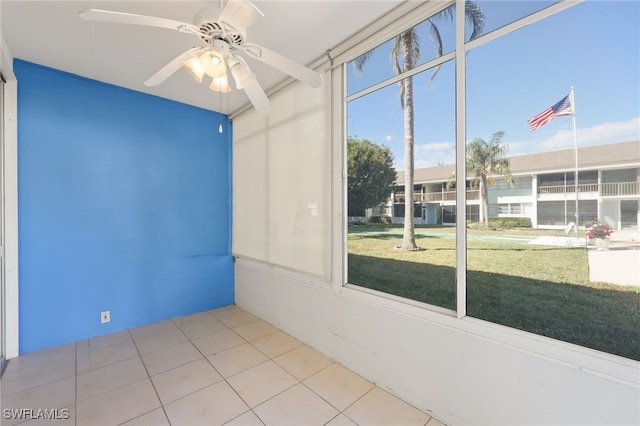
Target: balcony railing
column 434, row 197
column 603, row 189
column 568, row 189
column 619, row 188
column 614, row 189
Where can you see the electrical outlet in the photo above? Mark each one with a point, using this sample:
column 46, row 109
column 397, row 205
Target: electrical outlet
column 105, row 316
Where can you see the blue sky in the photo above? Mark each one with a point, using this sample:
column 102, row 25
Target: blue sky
column 594, row 46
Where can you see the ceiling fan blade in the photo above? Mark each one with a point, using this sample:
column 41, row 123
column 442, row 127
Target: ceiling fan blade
column 173, row 66
column 247, row 81
column 240, row 14
column 131, row 18
column 257, row 97
column 284, row 64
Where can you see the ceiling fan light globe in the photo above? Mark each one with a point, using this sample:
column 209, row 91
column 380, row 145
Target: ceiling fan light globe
column 194, row 68
column 213, row 64
column 241, row 75
column 220, row 84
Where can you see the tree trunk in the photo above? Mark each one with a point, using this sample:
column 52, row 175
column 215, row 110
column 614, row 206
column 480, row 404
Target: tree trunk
column 484, row 202
column 409, row 235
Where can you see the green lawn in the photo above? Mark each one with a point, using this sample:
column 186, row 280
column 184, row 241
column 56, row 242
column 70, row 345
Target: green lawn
column 541, row 289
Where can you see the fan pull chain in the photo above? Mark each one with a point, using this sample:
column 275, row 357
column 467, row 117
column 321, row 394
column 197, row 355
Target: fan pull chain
column 220, row 113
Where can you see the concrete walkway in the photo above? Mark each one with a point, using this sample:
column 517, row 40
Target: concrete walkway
column 620, row 264
column 558, row 240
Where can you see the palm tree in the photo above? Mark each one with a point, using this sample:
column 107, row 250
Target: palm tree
column 485, row 160
column 405, row 54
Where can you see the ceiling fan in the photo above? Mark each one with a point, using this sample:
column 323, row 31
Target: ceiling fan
column 222, row 35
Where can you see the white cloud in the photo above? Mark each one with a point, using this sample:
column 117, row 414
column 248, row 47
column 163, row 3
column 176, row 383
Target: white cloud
column 600, row 134
column 432, row 154
column 431, row 147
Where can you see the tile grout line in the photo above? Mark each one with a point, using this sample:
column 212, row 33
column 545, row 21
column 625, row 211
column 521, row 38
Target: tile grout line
column 324, row 399
column 74, row 375
column 150, row 381
column 75, row 389
column 212, row 366
column 268, row 359
column 341, row 413
column 298, row 380
column 223, row 378
column 36, row 386
column 283, row 353
column 268, row 399
column 162, row 405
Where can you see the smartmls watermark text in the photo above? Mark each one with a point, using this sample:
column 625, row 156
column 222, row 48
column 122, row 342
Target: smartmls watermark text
column 35, row 413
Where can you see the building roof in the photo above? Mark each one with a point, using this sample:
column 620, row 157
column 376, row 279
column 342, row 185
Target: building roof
column 592, row 157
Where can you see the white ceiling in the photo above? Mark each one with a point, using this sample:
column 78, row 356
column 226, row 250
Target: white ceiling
column 50, row 33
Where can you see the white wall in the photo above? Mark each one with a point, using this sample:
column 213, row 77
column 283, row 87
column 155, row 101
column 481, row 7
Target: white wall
column 462, row 371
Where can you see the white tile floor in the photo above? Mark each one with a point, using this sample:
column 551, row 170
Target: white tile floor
column 224, row 366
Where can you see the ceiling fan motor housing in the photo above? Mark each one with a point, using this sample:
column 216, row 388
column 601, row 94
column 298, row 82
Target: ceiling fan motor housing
column 210, row 29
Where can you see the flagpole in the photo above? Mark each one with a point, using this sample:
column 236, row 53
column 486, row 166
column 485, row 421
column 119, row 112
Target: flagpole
column 575, row 149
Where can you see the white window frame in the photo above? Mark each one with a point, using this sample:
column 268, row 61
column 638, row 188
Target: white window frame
column 10, row 190
column 388, row 30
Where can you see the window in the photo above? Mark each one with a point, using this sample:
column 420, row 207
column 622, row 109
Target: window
column 522, row 261
column 419, row 106
column 514, row 209
column 381, row 55
column 500, row 14
column 541, row 283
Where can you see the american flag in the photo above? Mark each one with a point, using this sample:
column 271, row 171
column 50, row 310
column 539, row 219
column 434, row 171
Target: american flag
column 564, row 107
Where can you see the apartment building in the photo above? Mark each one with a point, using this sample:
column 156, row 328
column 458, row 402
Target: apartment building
column 543, row 190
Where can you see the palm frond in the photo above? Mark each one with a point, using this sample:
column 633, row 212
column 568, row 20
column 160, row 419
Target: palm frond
column 474, row 16
column 405, row 53
column 473, row 13
column 436, row 37
column 496, row 138
column 406, row 47
column 396, row 52
column 358, row 63
column 451, row 182
column 447, row 14
column 396, row 67
column 487, row 159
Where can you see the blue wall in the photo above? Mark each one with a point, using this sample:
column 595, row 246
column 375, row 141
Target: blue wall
column 124, row 205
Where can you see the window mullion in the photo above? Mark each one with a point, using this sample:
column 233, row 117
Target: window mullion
column 396, row 78
column 521, row 23
column 461, row 193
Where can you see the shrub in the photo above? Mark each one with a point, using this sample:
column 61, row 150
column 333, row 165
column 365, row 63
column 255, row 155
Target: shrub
column 509, row 222
column 385, row 220
column 516, row 222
